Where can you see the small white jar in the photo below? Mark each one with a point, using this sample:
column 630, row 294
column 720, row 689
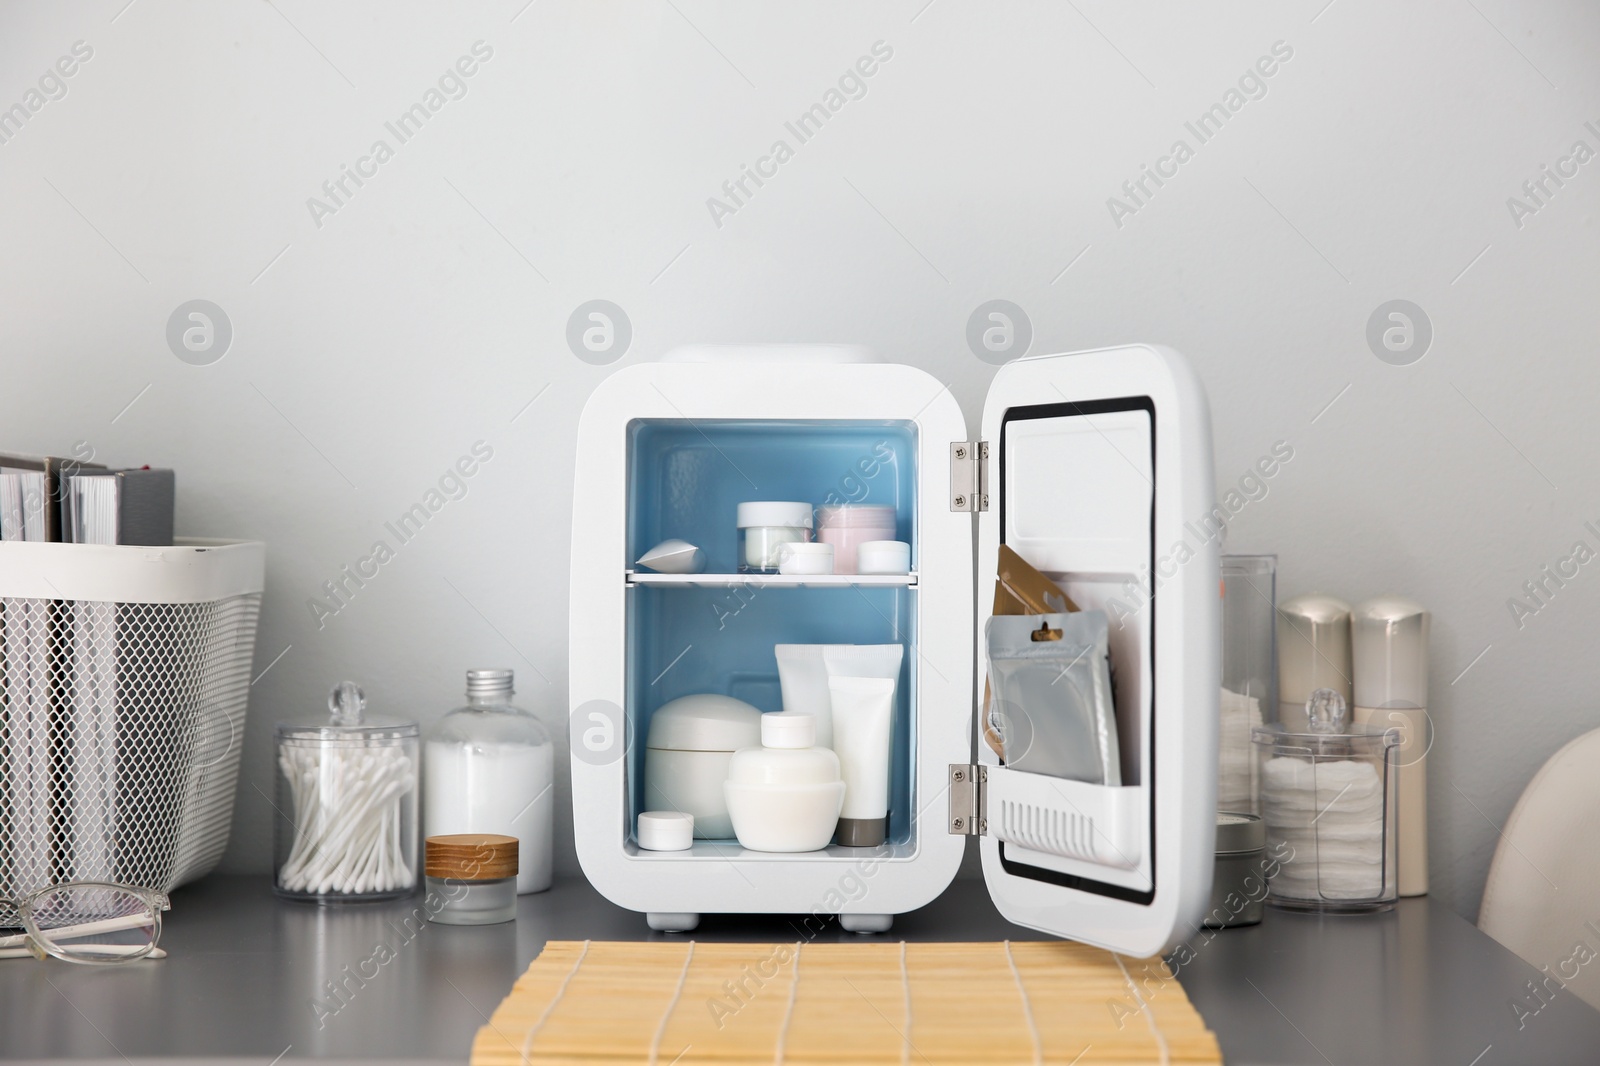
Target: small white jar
column 804, row 559
column 883, row 557
column 767, row 525
column 665, row 831
column 785, row 796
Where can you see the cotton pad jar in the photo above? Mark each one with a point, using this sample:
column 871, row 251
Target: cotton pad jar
column 687, row 749
column 765, row 526
column 1329, row 802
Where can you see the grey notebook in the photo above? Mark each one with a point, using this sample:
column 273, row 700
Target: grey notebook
column 118, row 507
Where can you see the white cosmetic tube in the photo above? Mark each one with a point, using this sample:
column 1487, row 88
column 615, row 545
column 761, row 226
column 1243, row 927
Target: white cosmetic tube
column 804, row 669
column 863, row 660
column 803, row 679
column 863, row 722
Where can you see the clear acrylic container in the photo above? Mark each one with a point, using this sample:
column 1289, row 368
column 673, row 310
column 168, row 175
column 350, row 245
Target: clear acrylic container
column 1249, row 673
column 347, row 804
column 1329, row 801
column 489, row 767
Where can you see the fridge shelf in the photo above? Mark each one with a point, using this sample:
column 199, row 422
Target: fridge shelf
column 767, row 581
column 729, row 850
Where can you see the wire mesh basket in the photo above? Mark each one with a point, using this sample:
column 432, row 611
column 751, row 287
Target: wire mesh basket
column 124, row 673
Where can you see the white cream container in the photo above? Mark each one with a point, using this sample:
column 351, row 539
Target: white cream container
column 767, row 525
column 687, row 751
column 666, row 831
column 883, row 557
column 801, row 558
column 785, row 795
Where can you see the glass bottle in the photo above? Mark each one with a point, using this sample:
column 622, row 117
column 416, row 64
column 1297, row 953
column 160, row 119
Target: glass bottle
column 489, row 767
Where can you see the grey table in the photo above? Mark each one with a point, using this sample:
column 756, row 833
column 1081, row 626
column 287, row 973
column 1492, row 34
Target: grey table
column 251, row 979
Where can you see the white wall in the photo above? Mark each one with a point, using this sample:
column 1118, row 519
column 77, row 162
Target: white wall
column 372, row 350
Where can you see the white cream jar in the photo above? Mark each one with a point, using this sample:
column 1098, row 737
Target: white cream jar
column 785, row 795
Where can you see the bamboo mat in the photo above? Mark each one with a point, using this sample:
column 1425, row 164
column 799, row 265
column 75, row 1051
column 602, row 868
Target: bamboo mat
column 682, row 1003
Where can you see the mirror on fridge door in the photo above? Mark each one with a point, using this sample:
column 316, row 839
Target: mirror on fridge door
column 1099, row 818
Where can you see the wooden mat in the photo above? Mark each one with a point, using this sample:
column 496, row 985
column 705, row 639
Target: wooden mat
column 682, row 1002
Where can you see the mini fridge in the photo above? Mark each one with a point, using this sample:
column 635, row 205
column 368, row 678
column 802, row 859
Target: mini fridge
column 1096, row 467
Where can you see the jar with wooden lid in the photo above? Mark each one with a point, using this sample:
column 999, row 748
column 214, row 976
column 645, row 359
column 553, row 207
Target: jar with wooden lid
column 472, row 878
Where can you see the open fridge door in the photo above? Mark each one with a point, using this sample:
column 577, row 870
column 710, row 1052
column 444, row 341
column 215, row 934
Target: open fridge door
column 1100, row 476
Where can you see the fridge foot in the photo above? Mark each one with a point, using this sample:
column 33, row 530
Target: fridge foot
column 672, row 921
column 866, row 923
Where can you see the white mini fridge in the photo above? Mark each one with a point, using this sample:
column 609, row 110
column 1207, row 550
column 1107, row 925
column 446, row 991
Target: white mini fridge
column 1096, row 467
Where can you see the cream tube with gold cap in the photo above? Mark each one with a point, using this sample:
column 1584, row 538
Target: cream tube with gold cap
column 1313, row 653
column 1390, row 658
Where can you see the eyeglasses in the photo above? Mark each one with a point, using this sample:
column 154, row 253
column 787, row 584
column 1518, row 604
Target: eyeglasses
column 92, row 922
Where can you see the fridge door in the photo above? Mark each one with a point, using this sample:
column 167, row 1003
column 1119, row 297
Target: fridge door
column 1101, row 476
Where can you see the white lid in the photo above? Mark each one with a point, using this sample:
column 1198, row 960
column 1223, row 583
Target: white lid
column 666, row 831
column 805, row 547
column 774, row 513
column 1389, row 653
column 856, row 515
column 705, row 721
column 1313, row 647
column 788, row 729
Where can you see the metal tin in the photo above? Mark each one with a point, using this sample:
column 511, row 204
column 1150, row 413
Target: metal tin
column 1239, row 880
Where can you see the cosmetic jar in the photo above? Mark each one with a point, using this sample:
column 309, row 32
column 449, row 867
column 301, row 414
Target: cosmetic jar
column 883, row 557
column 805, row 558
column 1239, row 879
column 472, row 878
column 764, row 526
column 849, row 525
column 785, row 795
column 687, row 749
column 666, row 831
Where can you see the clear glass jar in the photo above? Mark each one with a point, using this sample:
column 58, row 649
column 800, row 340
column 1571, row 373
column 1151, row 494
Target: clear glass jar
column 347, row 804
column 765, row 526
column 472, row 879
column 1249, row 673
column 489, row 767
column 1329, row 801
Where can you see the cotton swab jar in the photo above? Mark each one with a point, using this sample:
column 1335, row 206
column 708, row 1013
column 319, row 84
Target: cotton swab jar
column 347, row 804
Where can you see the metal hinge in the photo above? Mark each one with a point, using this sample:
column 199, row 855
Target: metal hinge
column 969, row 475
column 969, row 804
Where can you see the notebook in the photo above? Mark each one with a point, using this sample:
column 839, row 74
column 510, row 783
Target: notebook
column 39, row 488
column 22, row 504
column 118, row 507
